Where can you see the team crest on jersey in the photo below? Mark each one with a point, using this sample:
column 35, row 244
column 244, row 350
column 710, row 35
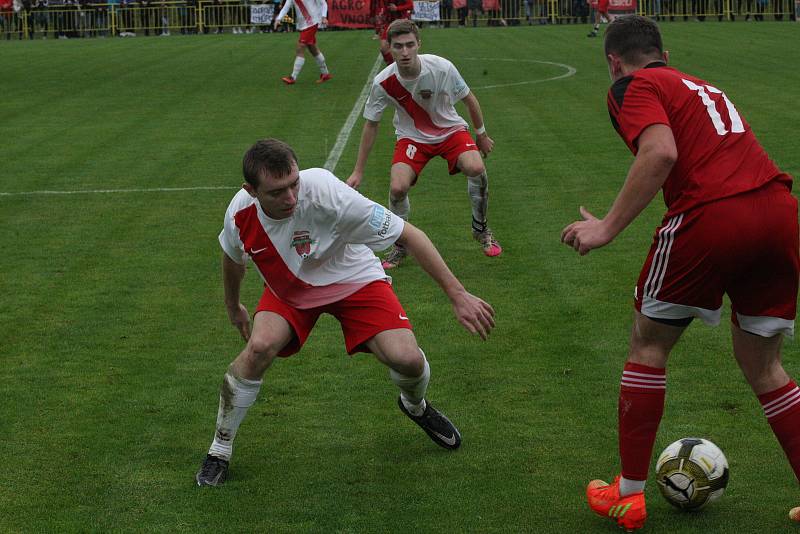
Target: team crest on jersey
column 301, row 241
column 426, row 93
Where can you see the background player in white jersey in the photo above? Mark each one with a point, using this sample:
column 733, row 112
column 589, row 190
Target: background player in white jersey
column 309, row 14
column 311, row 238
column 424, row 89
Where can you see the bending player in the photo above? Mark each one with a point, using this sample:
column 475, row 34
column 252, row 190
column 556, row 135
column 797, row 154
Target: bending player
column 423, row 89
column 311, row 238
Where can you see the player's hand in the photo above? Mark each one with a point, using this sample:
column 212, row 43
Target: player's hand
column 275, row 24
column 586, row 235
column 485, row 144
column 474, row 314
column 354, row 181
column 241, row 320
column 392, row 7
column 324, row 21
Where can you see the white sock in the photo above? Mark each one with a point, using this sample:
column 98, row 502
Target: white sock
column 413, row 388
column 629, row 487
column 235, row 397
column 478, row 189
column 323, row 68
column 401, row 207
column 298, row 66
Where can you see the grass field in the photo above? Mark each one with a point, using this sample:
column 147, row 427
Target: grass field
column 114, row 339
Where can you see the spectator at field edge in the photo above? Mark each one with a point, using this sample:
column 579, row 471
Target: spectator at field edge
column 311, row 237
column 730, row 228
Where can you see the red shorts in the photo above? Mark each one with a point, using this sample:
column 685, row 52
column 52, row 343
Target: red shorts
column 417, row 155
column 309, row 36
column 745, row 246
column 602, row 6
column 367, row 312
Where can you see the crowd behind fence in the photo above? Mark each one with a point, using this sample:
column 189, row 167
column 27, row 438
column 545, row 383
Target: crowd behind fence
column 29, row 19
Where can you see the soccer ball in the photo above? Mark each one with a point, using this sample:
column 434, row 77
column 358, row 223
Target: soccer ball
column 691, row 473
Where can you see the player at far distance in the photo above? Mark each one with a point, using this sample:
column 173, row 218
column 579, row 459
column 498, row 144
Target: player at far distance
column 423, row 89
column 599, row 11
column 730, row 228
column 311, row 238
column 388, row 12
column 309, row 15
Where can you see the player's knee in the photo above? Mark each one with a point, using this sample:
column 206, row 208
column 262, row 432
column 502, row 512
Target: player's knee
column 473, row 168
column 409, row 361
column 261, row 349
column 398, row 192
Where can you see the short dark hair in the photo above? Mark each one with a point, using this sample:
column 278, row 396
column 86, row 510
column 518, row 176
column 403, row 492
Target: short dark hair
column 633, row 39
column 399, row 27
column 268, row 157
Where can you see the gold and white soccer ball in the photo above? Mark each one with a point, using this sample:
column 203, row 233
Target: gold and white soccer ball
column 691, row 473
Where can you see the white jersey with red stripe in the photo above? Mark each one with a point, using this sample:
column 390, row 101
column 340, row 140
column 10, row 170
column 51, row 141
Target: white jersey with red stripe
column 425, row 106
column 320, row 254
column 307, row 12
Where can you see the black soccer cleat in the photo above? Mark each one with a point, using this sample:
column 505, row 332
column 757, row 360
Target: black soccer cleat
column 213, row 472
column 436, row 425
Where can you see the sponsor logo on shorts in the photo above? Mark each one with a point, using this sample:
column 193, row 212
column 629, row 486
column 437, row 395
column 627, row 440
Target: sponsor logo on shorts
column 403, row 317
column 411, row 150
column 301, row 241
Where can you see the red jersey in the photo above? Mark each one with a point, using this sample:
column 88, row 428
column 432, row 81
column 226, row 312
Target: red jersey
column 718, row 155
column 387, row 16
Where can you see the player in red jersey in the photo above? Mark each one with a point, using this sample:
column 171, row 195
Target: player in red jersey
column 730, row 228
column 600, row 10
column 389, row 12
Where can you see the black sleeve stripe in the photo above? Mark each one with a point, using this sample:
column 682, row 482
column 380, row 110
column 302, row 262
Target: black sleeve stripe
column 619, row 89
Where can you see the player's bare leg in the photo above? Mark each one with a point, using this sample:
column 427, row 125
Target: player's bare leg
column 410, row 371
column 401, row 181
column 641, row 404
column 324, row 74
column 240, row 387
column 759, row 358
column 471, row 164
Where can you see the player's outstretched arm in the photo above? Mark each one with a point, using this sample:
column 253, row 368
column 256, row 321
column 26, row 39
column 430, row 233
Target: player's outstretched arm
column 482, row 139
column 232, row 276
column 474, row 314
column 368, row 134
column 654, row 161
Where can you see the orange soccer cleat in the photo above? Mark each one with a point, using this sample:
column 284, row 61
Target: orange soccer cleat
column 288, row 80
column 324, row 78
column 604, row 499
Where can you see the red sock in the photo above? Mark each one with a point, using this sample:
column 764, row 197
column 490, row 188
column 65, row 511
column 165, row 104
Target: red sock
column 387, row 57
column 641, row 404
column 782, row 408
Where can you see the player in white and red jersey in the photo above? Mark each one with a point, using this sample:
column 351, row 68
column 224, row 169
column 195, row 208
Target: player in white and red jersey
column 730, row 228
column 309, row 14
column 424, row 89
column 311, row 238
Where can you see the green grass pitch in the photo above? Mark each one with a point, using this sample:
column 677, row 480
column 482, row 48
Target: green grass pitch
column 114, row 339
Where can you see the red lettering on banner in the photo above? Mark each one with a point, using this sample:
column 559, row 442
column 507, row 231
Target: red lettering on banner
column 349, row 14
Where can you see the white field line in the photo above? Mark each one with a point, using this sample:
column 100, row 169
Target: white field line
column 344, row 133
column 338, row 147
column 139, row 190
column 570, row 71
